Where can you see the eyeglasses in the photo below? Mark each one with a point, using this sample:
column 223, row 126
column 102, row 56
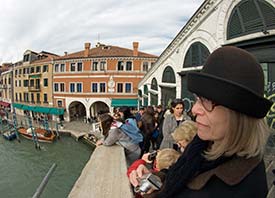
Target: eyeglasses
column 207, row 104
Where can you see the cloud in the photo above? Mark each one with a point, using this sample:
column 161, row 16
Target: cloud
column 65, row 25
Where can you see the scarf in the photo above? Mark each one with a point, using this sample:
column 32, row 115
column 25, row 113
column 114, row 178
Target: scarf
column 190, row 164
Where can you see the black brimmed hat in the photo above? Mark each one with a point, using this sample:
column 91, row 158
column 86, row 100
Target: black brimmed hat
column 233, row 78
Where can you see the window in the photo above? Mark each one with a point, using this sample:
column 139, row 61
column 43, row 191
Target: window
column 16, row 71
column 72, row 66
column 19, row 83
column 38, row 97
column 55, row 87
column 120, row 65
column 45, row 98
column 128, row 87
column 102, row 88
column 78, row 87
column 79, row 67
column 128, row 66
column 16, row 97
column 59, row 103
column 94, row 68
column 56, row 68
column 38, row 69
column 26, row 97
column 62, row 67
column 62, row 87
column 72, row 87
column 32, row 97
column 119, row 87
column 45, row 68
column 32, row 70
column 16, row 83
column 94, row 87
column 102, row 65
column 26, row 83
column 26, row 58
column 196, row 55
column 25, row 70
column 20, row 71
column 32, row 83
column 20, row 97
column 45, row 82
column 145, row 66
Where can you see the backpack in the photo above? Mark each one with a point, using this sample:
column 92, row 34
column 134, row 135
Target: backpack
column 130, row 128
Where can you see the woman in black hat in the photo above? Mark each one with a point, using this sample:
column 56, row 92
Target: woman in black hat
column 225, row 159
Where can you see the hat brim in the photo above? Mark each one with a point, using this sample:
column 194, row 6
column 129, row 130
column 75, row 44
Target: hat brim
column 228, row 94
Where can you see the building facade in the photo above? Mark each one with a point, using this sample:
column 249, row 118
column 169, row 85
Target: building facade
column 5, row 85
column 32, row 84
column 248, row 24
column 98, row 79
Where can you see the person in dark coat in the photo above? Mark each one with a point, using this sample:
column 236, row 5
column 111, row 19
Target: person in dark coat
column 147, row 126
column 225, row 159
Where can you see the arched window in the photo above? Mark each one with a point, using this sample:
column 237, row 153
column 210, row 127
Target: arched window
column 139, row 93
column 145, row 89
column 168, row 75
column 196, row 55
column 154, row 84
column 250, row 16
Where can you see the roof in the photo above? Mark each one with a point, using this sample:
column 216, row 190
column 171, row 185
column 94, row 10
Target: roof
column 106, row 51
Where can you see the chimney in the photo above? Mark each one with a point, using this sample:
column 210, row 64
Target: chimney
column 66, row 53
column 87, row 48
column 135, row 48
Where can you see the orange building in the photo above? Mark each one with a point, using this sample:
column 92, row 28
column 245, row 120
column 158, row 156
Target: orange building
column 98, row 79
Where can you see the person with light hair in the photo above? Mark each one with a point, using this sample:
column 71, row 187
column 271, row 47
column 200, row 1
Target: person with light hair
column 163, row 159
column 184, row 134
column 225, row 158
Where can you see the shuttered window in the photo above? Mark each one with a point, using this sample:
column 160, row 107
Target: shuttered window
column 145, row 90
column 168, row 75
column 154, row 84
column 250, row 16
column 196, row 55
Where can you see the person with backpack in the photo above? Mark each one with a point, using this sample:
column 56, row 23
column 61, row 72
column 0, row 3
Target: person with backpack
column 114, row 134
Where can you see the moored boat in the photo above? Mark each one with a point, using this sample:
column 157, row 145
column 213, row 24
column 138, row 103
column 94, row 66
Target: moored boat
column 91, row 139
column 42, row 134
column 9, row 135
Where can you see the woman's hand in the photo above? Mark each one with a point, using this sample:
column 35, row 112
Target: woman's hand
column 135, row 175
column 99, row 142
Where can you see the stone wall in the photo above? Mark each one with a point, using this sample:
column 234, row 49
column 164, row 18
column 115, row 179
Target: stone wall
column 104, row 175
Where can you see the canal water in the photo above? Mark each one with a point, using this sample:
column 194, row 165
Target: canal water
column 22, row 167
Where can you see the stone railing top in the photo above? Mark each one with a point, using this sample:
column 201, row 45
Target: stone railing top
column 104, row 175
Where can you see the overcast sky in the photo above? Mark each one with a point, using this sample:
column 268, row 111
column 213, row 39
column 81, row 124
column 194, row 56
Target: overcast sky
column 65, row 25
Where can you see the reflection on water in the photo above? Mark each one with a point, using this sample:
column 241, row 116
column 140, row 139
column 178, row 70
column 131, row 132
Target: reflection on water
column 23, row 167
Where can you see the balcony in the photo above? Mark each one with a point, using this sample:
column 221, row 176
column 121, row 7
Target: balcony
column 34, row 89
column 34, row 76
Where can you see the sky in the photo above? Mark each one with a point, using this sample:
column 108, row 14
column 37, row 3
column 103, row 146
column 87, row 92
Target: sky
column 57, row 26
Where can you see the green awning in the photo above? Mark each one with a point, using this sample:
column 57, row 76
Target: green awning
column 35, row 76
column 16, row 105
column 124, row 102
column 49, row 110
column 39, row 109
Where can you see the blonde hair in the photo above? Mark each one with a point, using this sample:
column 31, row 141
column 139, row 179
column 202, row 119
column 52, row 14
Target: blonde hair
column 246, row 137
column 166, row 157
column 186, row 131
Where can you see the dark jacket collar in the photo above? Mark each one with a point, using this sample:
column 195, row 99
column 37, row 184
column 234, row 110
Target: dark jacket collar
column 231, row 172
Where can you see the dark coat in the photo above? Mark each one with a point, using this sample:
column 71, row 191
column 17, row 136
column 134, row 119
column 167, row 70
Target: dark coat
column 237, row 178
